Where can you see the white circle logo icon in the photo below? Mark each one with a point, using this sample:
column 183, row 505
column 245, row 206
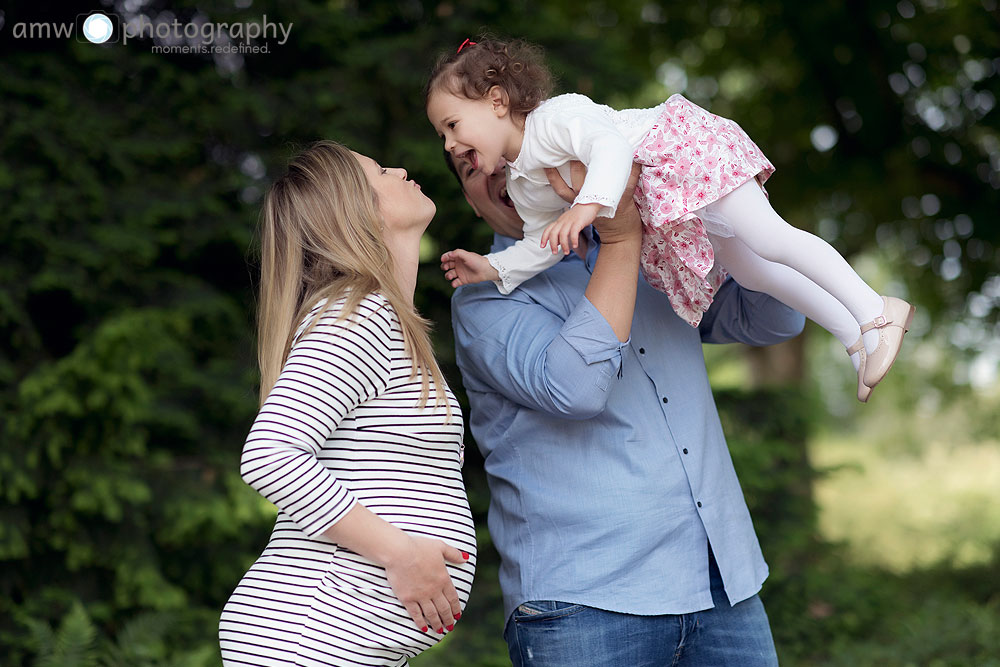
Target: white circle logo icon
column 97, row 28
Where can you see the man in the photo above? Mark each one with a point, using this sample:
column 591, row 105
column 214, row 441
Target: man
column 622, row 530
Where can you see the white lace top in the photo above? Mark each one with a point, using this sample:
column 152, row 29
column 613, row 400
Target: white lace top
column 564, row 128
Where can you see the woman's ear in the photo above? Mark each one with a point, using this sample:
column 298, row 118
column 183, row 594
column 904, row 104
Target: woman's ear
column 498, row 98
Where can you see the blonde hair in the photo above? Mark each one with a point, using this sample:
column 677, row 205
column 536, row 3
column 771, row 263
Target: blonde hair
column 321, row 238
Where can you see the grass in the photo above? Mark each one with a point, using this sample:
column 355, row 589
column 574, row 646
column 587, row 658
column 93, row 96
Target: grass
column 907, row 510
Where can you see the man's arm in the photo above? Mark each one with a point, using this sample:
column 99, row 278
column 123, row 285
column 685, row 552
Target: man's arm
column 516, row 347
column 614, row 282
column 565, row 367
column 739, row 315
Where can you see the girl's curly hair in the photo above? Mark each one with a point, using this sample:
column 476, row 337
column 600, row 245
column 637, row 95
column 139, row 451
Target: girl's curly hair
column 516, row 66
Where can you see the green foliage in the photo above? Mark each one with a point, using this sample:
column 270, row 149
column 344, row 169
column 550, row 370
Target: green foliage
column 72, row 645
column 767, row 430
column 824, row 610
column 144, row 641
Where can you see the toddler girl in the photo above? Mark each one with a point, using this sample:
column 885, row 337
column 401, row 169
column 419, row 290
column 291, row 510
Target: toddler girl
column 701, row 198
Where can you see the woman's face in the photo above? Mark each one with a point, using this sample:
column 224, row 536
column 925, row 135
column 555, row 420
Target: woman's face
column 402, row 205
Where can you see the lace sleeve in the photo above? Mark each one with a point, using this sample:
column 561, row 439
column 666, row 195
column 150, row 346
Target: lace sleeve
column 521, row 261
column 608, row 205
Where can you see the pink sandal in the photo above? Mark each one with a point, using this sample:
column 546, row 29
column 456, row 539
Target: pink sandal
column 864, row 391
column 891, row 324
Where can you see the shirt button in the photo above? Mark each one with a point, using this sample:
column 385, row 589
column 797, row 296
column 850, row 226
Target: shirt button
column 685, row 450
column 642, row 350
column 699, row 503
column 665, row 399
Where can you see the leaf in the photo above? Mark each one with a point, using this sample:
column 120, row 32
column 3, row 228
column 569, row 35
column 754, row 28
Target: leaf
column 73, row 645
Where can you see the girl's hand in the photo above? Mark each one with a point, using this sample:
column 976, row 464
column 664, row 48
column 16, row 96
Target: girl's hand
column 419, row 578
column 626, row 223
column 462, row 267
column 565, row 232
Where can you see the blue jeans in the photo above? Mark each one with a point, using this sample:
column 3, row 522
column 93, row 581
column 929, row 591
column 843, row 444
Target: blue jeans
column 548, row 633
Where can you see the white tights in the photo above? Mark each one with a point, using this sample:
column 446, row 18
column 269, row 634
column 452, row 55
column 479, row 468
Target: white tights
column 766, row 254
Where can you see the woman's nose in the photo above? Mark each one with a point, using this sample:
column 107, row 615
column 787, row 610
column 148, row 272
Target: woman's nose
column 401, row 172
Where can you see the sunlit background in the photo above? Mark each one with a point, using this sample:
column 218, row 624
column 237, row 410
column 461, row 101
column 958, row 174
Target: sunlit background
column 130, row 179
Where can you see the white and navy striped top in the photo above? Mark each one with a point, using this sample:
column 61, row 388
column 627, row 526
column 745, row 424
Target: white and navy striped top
column 342, row 425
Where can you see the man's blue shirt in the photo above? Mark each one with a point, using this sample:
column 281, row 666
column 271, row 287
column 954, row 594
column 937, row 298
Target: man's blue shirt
column 607, row 466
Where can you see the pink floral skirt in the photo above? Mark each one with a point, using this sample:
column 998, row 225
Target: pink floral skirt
column 689, row 159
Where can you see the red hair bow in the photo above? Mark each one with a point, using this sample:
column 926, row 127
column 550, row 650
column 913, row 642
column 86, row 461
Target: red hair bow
column 466, row 43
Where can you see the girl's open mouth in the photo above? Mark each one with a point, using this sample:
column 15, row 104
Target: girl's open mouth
column 473, row 158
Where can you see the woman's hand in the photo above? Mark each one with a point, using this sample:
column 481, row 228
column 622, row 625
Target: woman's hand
column 462, row 267
column 414, row 566
column 421, row 582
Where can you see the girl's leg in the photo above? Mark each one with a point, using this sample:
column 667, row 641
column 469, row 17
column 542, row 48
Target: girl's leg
column 747, row 211
column 788, row 286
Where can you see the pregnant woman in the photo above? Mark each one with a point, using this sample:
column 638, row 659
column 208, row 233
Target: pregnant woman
column 358, row 440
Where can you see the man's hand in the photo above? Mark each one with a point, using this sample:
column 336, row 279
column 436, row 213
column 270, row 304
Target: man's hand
column 612, row 286
column 577, row 174
column 626, row 224
column 462, row 267
column 565, row 232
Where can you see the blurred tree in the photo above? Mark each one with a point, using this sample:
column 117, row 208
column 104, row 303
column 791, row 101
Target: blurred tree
column 880, row 118
column 130, row 181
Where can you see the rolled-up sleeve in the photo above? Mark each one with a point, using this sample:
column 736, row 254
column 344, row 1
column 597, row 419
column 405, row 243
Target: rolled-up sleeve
column 739, row 315
column 511, row 345
column 591, row 336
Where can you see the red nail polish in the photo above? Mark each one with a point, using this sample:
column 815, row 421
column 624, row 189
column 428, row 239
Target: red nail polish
column 423, row 629
column 465, row 555
column 450, row 627
column 458, row 616
column 440, row 631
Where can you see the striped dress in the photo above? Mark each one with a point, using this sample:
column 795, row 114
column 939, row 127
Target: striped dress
column 342, row 425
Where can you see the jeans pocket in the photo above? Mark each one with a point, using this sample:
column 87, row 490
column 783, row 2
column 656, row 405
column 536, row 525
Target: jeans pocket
column 534, row 611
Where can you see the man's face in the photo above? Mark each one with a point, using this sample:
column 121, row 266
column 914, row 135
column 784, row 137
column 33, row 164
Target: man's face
column 487, row 195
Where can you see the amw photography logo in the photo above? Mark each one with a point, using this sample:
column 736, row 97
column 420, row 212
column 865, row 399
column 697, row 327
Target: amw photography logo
column 98, row 28
column 167, row 33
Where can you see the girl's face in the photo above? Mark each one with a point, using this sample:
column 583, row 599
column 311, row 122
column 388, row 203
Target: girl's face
column 402, row 204
column 480, row 132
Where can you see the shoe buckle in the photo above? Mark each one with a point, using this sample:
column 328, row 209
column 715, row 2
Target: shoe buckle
column 879, row 321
